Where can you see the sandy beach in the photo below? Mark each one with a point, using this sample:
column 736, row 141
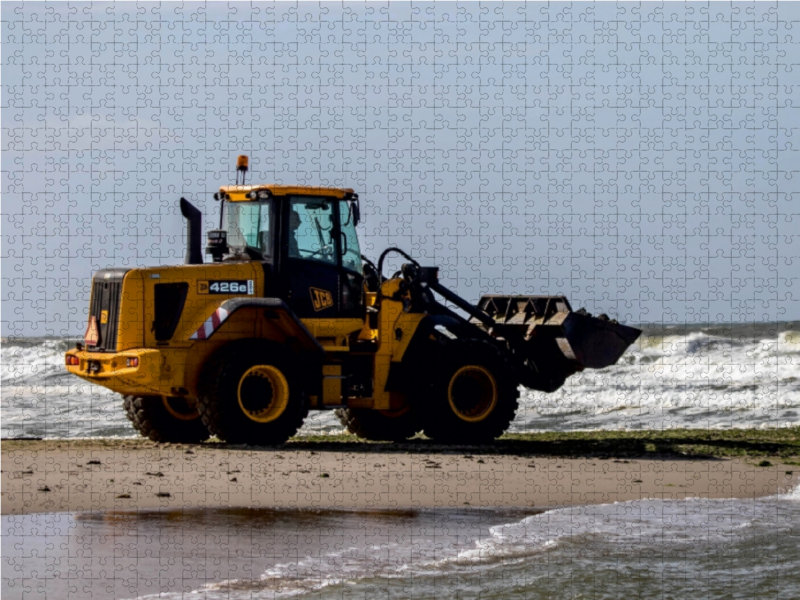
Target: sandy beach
column 123, row 475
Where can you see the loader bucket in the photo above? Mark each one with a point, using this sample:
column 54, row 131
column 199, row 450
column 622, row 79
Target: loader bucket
column 592, row 342
column 550, row 340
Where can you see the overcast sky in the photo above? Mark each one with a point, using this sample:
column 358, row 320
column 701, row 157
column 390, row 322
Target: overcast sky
column 642, row 160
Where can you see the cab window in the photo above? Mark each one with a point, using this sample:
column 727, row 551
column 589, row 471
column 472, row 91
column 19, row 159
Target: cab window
column 249, row 225
column 311, row 229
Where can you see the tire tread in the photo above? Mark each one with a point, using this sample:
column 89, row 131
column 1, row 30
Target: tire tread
column 216, row 374
column 149, row 417
column 438, row 423
column 370, row 424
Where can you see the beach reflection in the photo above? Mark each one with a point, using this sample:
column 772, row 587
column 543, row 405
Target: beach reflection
column 238, row 551
column 709, row 548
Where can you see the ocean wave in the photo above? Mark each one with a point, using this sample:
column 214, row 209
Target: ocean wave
column 33, row 362
column 633, row 524
column 409, row 551
column 791, row 495
column 696, row 376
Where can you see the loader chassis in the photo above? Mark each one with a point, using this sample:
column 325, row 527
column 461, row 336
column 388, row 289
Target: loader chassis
column 284, row 320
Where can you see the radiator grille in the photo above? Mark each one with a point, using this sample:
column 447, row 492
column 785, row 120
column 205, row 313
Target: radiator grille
column 106, row 296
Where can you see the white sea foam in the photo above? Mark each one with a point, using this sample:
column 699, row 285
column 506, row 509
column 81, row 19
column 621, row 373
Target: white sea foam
column 792, row 494
column 637, row 525
column 695, row 377
column 31, row 364
column 702, row 379
column 426, row 552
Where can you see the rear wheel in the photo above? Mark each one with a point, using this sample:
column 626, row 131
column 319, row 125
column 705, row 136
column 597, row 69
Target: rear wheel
column 164, row 419
column 473, row 397
column 379, row 425
column 251, row 396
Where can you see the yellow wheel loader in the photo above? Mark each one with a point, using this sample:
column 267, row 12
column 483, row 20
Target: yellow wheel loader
column 289, row 317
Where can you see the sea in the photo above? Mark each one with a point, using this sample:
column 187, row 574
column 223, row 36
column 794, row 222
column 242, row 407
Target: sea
column 694, row 548
column 704, row 376
column 675, row 376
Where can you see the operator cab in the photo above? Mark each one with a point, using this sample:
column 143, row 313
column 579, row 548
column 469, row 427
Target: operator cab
column 306, row 239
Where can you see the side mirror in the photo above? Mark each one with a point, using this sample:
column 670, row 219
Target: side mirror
column 355, row 210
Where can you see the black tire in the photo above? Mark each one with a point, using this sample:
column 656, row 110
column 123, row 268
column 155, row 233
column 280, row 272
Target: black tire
column 378, row 425
column 471, row 397
column 165, row 419
column 254, row 369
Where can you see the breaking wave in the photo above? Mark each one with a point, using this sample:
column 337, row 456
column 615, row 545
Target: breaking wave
column 705, row 541
column 723, row 376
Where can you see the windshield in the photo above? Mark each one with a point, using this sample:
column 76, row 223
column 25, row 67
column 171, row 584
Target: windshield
column 249, row 224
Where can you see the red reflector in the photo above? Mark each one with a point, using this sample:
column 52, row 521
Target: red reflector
column 73, row 361
column 132, row 362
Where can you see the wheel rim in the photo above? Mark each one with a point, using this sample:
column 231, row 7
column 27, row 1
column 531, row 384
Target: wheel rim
column 180, row 408
column 472, row 393
column 263, row 393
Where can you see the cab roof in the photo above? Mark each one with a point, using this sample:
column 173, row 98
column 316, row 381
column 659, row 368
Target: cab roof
column 238, row 193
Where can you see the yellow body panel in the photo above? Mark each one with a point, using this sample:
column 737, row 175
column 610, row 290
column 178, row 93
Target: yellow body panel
column 130, row 332
column 334, row 329
column 114, row 374
column 239, row 193
column 198, row 306
column 395, row 330
column 172, row 368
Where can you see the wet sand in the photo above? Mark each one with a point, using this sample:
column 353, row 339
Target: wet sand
column 86, row 475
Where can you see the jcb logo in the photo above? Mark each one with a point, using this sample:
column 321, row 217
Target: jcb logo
column 321, row 299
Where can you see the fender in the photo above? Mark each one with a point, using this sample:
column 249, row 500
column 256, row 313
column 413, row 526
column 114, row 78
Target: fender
column 420, row 358
column 279, row 316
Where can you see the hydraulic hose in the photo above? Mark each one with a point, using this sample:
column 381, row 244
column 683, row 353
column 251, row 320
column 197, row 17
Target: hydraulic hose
column 392, row 249
column 379, row 295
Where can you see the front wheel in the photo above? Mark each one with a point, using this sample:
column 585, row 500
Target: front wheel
column 164, row 419
column 251, row 396
column 473, row 396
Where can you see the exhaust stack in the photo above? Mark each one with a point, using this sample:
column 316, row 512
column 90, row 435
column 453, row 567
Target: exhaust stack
column 194, row 253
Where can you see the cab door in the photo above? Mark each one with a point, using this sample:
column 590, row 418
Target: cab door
column 323, row 259
column 312, row 257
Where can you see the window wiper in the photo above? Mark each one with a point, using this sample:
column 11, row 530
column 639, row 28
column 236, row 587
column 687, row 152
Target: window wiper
column 319, row 233
column 324, row 249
